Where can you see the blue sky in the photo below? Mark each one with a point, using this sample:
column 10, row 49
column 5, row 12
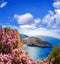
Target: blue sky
column 32, row 17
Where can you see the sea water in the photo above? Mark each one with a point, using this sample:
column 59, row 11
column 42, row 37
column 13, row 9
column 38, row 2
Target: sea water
column 40, row 52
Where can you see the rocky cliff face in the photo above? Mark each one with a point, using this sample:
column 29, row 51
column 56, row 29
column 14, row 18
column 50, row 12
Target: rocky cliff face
column 34, row 41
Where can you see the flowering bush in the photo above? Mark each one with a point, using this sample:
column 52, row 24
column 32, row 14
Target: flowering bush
column 17, row 56
column 8, row 40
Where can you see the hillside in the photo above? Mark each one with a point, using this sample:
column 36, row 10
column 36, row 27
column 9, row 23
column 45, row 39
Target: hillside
column 54, row 41
column 23, row 36
column 34, row 41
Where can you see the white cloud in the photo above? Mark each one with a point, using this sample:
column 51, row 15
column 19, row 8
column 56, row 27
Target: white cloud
column 57, row 11
column 25, row 26
column 51, row 12
column 24, row 19
column 38, row 20
column 32, row 26
column 27, row 21
column 57, row 17
column 40, row 32
column 36, row 32
column 56, row 4
column 52, row 19
column 3, row 4
column 48, row 20
column 54, row 27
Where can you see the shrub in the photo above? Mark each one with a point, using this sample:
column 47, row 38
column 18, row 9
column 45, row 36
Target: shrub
column 55, row 54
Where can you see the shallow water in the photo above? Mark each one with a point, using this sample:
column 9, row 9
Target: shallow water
column 37, row 52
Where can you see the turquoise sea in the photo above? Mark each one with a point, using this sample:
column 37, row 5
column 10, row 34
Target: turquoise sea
column 39, row 52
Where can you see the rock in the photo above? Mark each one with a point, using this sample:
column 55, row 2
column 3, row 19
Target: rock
column 37, row 42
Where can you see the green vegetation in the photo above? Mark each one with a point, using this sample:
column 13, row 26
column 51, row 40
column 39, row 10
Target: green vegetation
column 6, row 30
column 55, row 54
